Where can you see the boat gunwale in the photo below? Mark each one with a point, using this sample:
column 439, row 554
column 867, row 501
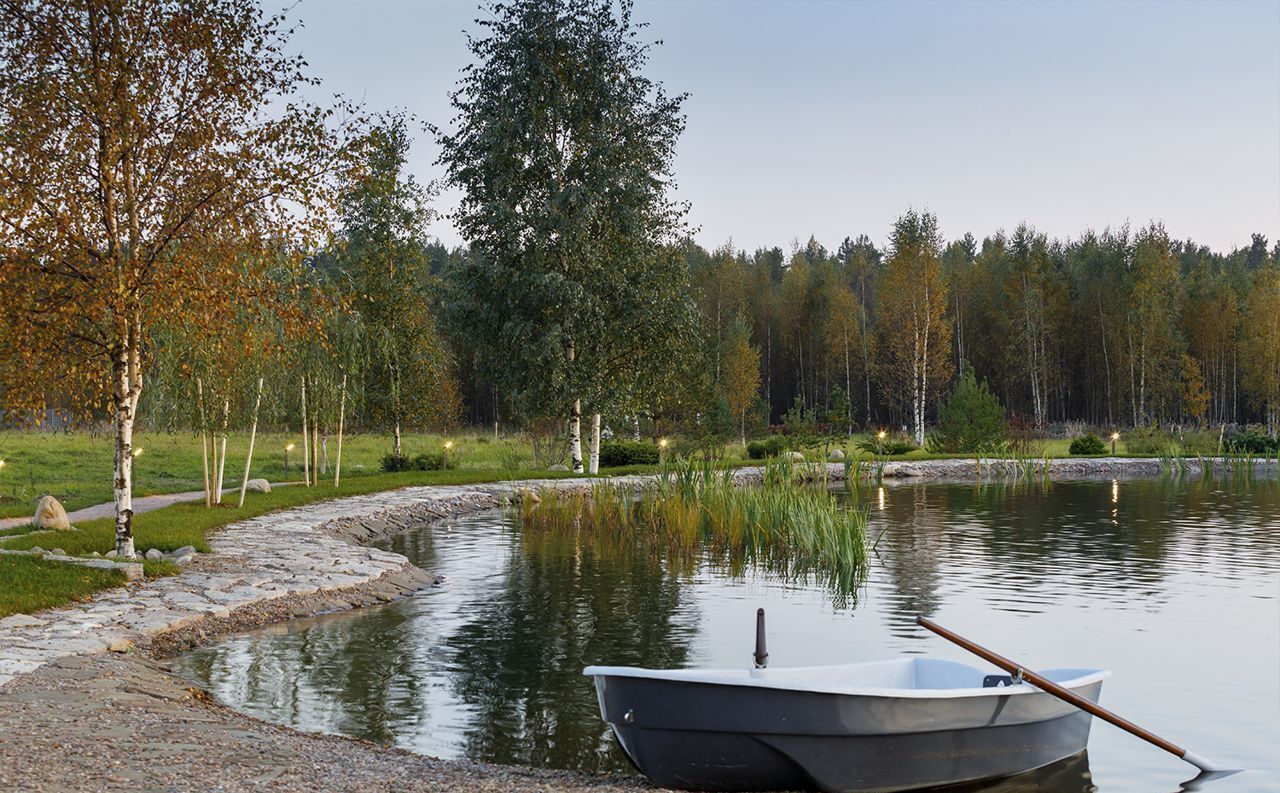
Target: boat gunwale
column 735, row 677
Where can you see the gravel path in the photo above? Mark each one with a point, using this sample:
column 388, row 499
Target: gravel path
column 117, row 722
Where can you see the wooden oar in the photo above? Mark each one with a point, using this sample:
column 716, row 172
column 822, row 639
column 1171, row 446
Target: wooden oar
column 1050, row 687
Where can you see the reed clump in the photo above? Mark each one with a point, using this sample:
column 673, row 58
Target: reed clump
column 694, row 511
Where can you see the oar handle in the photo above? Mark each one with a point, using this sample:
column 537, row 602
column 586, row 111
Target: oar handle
column 1050, row 687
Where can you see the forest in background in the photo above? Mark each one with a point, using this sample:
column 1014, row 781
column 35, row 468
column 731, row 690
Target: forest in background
column 1114, row 329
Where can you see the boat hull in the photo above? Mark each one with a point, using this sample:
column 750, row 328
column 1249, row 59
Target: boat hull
column 703, row 736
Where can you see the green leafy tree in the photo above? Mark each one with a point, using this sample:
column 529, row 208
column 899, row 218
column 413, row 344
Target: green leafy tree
column 563, row 155
column 408, row 376
column 155, row 158
column 971, row 419
column 740, row 370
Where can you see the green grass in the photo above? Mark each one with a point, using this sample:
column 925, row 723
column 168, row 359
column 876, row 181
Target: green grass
column 28, row 584
column 172, row 527
column 76, row 468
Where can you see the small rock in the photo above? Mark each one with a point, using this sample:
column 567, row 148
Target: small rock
column 836, row 455
column 185, row 550
column 58, row 552
column 154, row 554
column 795, row 457
column 37, row 550
column 183, row 561
column 528, row 494
column 120, row 646
column 258, row 485
column 558, row 467
column 50, row 515
column 111, row 554
column 96, row 555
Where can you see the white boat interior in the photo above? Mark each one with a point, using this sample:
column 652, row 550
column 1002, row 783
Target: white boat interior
column 927, row 678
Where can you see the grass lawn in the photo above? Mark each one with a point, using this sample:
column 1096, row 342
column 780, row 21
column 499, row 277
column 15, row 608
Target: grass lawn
column 76, row 467
column 28, row 584
column 31, row 584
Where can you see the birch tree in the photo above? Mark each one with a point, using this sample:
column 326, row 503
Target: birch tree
column 1261, row 345
column 563, row 153
column 407, row 378
column 915, row 336
column 740, row 366
column 153, row 156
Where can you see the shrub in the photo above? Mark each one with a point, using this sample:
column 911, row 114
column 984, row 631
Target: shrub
column 1088, row 444
column 971, row 420
column 391, row 463
column 890, row 446
column 1147, row 440
column 617, row 452
column 429, row 462
column 766, row 447
column 1251, row 442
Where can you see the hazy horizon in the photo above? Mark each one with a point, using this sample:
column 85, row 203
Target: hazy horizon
column 829, row 119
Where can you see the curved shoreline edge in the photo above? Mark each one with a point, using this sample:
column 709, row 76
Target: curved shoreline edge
column 314, row 559
column 70, row 678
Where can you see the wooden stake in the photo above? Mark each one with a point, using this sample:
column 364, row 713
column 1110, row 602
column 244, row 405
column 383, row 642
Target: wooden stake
column 342, row 412
column 315, row 444
column 222, row 456
column 306, row 453
column 204, row 448
column 253, row 434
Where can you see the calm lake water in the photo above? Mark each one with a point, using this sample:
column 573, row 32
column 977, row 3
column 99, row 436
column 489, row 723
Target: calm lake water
column 1174, row 586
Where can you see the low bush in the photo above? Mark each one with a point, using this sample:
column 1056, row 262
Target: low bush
column 431, row 462
column 617, row 452
column 1088, row 444
column 394, row 463
column 1147, row 440
column 1251, row 442
column 890, row 447
column 766, row 447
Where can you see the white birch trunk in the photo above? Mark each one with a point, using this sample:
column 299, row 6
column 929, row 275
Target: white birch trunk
column 575, row 424
column 253, row 435
column 595, row 443
column 396, row 447
column 342, row 414
column 575, row 436
column 306, row 448
column 123, row 489
column 222, row 455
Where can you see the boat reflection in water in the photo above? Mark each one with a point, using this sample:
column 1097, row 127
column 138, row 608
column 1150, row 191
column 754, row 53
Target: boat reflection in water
column 1071, row 775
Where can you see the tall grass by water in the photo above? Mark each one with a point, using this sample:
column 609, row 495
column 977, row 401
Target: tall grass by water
column 695, row 513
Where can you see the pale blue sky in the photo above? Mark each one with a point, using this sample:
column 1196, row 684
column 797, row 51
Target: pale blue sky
column 830, row 118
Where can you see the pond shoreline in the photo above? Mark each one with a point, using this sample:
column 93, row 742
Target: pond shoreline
column 99, row 658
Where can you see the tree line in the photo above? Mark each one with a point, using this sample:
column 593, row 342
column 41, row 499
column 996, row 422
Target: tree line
column 179, row 224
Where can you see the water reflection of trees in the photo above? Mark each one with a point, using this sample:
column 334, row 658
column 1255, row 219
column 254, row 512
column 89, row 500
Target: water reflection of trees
column 563, row 606
column 1113, row 540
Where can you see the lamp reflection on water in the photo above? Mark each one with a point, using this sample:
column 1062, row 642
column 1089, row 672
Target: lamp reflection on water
column 880, row 497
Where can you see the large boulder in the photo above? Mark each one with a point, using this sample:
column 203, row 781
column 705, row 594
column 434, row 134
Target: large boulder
column 836, row 455
column 50, row 515
column 795, row 457
column 258, row 486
